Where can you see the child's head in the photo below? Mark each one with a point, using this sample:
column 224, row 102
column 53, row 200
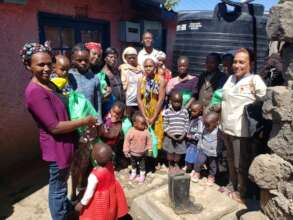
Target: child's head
column 211, row 121
column 176, row 100
column 61, row 66
column 80, row 58
column 102, row 154
column 213, row 61
column 182, row 65
column 139, row 121
column 117, row 111
column 196, row 109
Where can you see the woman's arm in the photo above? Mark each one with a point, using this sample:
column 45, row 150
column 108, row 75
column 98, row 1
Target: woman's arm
column 40, row 106
column 139, row 100
column 158, row 107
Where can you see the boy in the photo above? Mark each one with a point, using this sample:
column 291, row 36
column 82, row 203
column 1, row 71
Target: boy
column 175, row 122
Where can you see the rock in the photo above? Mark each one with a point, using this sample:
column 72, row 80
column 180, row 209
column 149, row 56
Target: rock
column 280, row 22
column 287, row 59
column 268, row 170
column 255, row 215
column 281, row 141
column 286, row 188
column 276, row 206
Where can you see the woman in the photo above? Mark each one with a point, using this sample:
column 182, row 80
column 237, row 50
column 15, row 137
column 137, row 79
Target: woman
column 46, row 105
column 241, row 89
column 150, row 98
column 131, row 73
column 185, row 83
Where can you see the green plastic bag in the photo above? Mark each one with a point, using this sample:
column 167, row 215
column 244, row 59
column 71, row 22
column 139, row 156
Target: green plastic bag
column 186, row 96
column 154, row 142
column 103, row 82
column 217, row 97
column 126, row 125
column 79, row 107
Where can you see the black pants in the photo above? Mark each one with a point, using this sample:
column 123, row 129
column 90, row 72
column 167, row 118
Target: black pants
column 212, row 165
column 138, row 163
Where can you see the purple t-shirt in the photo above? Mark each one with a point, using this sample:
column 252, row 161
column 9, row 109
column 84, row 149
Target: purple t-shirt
column 47, row 110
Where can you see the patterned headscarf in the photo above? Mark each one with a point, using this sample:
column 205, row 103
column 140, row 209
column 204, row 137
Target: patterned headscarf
column 94, row 46
column 29, row 49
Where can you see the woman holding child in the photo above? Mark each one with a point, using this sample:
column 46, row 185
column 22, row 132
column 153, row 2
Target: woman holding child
column 47, row 106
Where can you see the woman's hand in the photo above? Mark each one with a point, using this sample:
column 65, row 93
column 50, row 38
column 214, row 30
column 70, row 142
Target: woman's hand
column 151, row 121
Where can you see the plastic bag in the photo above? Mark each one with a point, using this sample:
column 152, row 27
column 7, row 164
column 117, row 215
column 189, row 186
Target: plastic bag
column 79, row 107
column 103, row 82
column 59, row 82
column 217, row 97
column 186, row 96
column 154, row 142
column 126, row 125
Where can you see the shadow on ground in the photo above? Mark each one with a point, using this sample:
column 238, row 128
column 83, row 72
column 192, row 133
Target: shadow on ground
column 19, row 183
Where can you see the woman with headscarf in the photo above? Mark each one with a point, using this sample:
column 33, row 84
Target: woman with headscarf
column 47, row 106
column 163, row 70
column 131, row 73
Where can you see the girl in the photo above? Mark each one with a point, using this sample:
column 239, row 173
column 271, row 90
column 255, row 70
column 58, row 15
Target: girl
column 104, row 198
column 131, row 73
column 137, row 142
column 45, row 102
column 110, row 132
column 163, row 70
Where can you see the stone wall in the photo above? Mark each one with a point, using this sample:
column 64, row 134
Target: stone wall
column 273, row 173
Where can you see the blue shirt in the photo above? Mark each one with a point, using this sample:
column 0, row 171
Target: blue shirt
column 87, row 84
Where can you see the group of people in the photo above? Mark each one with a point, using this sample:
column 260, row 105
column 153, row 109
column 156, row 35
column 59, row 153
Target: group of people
column 176, row 111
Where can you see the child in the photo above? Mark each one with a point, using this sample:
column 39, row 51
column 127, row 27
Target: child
column 193, row 133
column 208, row 144
column 104, row 197
column 137, row 142
column 60, row 73
column 176, row 120
column 110, row 131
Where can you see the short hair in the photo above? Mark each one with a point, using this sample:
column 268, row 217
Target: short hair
column 247, row 51
column 136, row 115
column 120, row 105
column 110, row 50
column 228, row 56
column 102, row 153
column 183, row 58
column 216, row 56
column 196, row 102
column 175, row 93
column 79, row 47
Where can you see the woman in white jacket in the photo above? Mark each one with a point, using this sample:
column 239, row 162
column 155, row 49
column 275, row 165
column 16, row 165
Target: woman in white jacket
column 240, row 89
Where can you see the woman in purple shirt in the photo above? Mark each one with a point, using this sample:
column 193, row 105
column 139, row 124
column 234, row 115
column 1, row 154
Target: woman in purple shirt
column 47, row 107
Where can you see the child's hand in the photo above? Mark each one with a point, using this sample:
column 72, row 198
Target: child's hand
column 107, row 92
column 78, row 207
column 127, row 155
column 181, row 138
column 89, row 121
column 189, row 136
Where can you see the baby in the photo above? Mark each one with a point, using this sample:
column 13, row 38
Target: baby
column 60, row 73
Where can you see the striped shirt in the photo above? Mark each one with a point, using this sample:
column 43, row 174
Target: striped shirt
column 175, row 122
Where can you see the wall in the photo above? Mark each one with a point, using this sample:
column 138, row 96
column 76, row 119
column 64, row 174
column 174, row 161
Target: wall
column 18, row 25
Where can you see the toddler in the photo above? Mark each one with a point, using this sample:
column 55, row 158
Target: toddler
column 175, row 122
column 104, row 197
column 193, row 133
column 209, row 145
column 137, row 142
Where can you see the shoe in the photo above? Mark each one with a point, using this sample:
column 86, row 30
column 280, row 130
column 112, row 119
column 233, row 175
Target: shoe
column 132, row 176
column 195, row 177
column 141, row 179
column 211, row 181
